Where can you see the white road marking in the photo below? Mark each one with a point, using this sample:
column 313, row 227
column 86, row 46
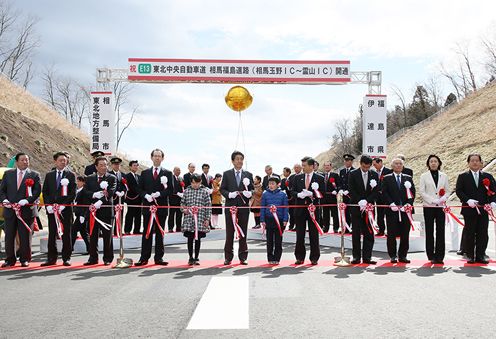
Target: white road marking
column 224, row 305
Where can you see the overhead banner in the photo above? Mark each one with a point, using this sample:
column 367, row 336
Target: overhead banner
column 102, row 123
column 374, row 113
column 239, row 71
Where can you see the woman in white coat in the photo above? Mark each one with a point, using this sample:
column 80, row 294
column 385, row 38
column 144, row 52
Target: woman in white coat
column 434, row 189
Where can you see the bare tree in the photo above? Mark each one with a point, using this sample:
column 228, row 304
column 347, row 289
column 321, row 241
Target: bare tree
column 489, row 44
column 466, row 69
column 435, row 93
column 401, row 97
column 452, row 79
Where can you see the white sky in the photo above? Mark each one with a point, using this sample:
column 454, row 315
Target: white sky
column 406, row 40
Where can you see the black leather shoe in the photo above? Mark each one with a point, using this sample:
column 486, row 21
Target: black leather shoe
column 355, row 261
column 191, row 262
column 370, row 262
column 161, row 263
column 482, row 261
column 380, row 234
column 107, row 263
column 48, row 263
column 7, row 264
column 24, row 264
column 460, row 253
column 394, row 260
column 314, row 262
column 67, row 263
column 470, row 261
column 438, row 262
column 197, row 262
column 141, row 263
column 90, row 263
column 243, row 262
column 227, row 262
column 404, row 260
column 299, row 262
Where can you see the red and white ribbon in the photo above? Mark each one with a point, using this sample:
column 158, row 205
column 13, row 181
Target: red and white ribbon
column 449, row 216
column 58, row 221
column 273, row 210
column 153, row 217
column 234, row 216
column 315, row 189
column 118, row 222
column 490, row 212
column 93, row 218
column 342, row 216
column 369, row 209
column 408, row 211
column 194, row 212
column 17, row 209
column 29, row 184
column 311, row 211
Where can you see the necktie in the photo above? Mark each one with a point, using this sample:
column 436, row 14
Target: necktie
column 365, row 180
column 307, row 181
column 99, row 179
column 155, row 174
column 19, row 180
column 238, row 178
column 476, row 178
column 59, row 177
column 136, row 178
column 398, row 181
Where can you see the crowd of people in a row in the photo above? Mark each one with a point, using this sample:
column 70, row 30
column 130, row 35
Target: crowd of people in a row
column 375, row 200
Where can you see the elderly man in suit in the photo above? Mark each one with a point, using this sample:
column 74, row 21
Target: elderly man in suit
column 307, row 189
column 381, row 171
column 59, row 188
column 363, row 185
column 476, row 189
column 155, row 190
column 237, row 188
column 20, row 188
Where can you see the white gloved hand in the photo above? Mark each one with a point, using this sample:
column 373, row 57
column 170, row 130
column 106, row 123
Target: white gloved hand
column 148, row 197
column 61, row 208
column 120, row 194
column 443, row 199
column 233, row 195
column 393, row 207
column 49, row 209
column 180, row 195
column 340, row 192
column 6, row 203
column 104, row 185
column 493, row 205
column 247, row 194
column 81, row 220
column 472, row 203
column 301, row 195
column 346, row 192
column 98, row 204
column 155, row 194
column 98, row 195
column 334, row 193
column 362, row 203
column 23, row 202
column 436, row 201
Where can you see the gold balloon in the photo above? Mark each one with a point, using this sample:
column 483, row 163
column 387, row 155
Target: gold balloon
column 238, row 98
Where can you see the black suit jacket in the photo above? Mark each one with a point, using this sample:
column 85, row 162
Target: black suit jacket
column 81, row 199
column 329, row 187
column 385, row 171
column 9, row 191
column 90, row 169
column 407, row 171
column 344, row 177
column 174, row 199
column 466, row 189
column 148, row 185
column 299, row 185
column 206, row 182
column 91, row 186
column 53, row 195
column 391, row 193
column 358, row 191
column 229, row 185
column 265, row 181
column 187, row 180
column 133, row 194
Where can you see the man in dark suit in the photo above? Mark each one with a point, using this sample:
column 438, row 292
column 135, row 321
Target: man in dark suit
column 100, row 188
column 59, row 188
column 395, row 194
column 133, row 214
column 291, row 200
column 269, row 174
column 286, row 172
column 206, row 179
column 363, row 185
column 343, row 174
column 332, row 184
column 81, row 214
column 475, row 189
column 237, row 194
column 175, row 214
column 187, row 176
column 155, row 189
column 121, row 190
column 381, row 171
column 305, row 194
column 406, row 170
column 15, row 190
column 91, row 168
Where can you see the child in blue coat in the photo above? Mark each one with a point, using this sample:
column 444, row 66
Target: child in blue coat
column 274, row 196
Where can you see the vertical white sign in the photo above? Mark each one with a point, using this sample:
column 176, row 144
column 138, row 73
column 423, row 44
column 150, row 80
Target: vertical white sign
column 102, row 129
column 374, row 125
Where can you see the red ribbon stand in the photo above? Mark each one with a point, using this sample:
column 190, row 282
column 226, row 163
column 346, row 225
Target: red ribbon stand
column 118, row 221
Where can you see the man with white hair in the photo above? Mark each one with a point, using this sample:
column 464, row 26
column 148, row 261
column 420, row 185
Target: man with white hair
column 187, row 176
column 269, row 174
